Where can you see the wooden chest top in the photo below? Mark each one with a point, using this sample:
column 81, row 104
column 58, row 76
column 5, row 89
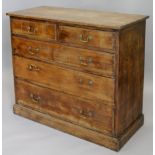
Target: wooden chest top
column 99, row 19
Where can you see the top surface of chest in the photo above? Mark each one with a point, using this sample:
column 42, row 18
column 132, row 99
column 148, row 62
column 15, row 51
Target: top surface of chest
column 99, row 19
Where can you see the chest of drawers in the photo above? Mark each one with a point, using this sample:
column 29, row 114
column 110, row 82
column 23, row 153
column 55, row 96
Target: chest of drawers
column 80, row 71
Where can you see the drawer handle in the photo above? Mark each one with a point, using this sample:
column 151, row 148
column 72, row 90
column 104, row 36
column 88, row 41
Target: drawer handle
column 90, row 82
column 82, row 62
column 90, row 60
column 81, row 81
column 86, row 114
column 85, row 40
column 35, row 98
column 32, row 67
column 85, row 62
column 31, row 29
column 33, row 51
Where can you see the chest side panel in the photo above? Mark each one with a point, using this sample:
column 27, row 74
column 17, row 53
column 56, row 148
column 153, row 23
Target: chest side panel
column 129, row 93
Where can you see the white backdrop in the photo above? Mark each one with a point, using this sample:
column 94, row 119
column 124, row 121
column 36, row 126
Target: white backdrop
column 24, row 137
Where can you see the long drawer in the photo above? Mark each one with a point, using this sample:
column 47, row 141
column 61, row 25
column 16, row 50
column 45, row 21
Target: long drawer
column 73, row 82
column 88, row 114
column 34, row 29
column 87, row 60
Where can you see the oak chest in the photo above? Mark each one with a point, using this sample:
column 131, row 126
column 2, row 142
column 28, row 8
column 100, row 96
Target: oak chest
column 80, row 71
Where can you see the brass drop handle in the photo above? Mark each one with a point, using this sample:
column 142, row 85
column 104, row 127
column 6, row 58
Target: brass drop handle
column 31, row 29
column 85, row 40
column 90, row 82
column 81, row 81
column 35, row 98
column 32, row 67
column 28, row 28
column 90, row 60
column 82, row 62
column 33, row 51
column 86, row 113
column 90, row 114
column 85, row 62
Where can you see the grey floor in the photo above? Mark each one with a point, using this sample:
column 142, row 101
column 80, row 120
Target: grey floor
column 25, row 137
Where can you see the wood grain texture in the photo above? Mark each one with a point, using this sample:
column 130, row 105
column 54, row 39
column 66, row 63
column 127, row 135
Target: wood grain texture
column 86, row 37
column 76, row 130
column 92, row 115
column 80, row 71
column 87, row 60
column 34, row 29
column 101, row 19
column 129, row 93
column 73, row 82
column 32, row 48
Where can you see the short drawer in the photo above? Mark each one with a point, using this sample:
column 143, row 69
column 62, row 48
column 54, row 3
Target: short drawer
column 87, row 114
column 95, row 62
column 70, row 81
column 87, row 38
column 34, row 29
column 32, row 48
column 87, row 60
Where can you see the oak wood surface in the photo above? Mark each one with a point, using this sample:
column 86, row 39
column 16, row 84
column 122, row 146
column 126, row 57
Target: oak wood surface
column 86, row 37
column 88, row 60
column 111, row 20
column 65, row 80
column 129, row 94
column 91, row 115
column 33, row 29
column 76, row 130
column 32, row 48
column 80, row 71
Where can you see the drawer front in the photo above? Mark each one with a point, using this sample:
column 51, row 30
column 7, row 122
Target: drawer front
column 34, row 29
column 87, row 37
column 66, row 80
column 32, row 49
column 91, row 115
column 87, row 60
